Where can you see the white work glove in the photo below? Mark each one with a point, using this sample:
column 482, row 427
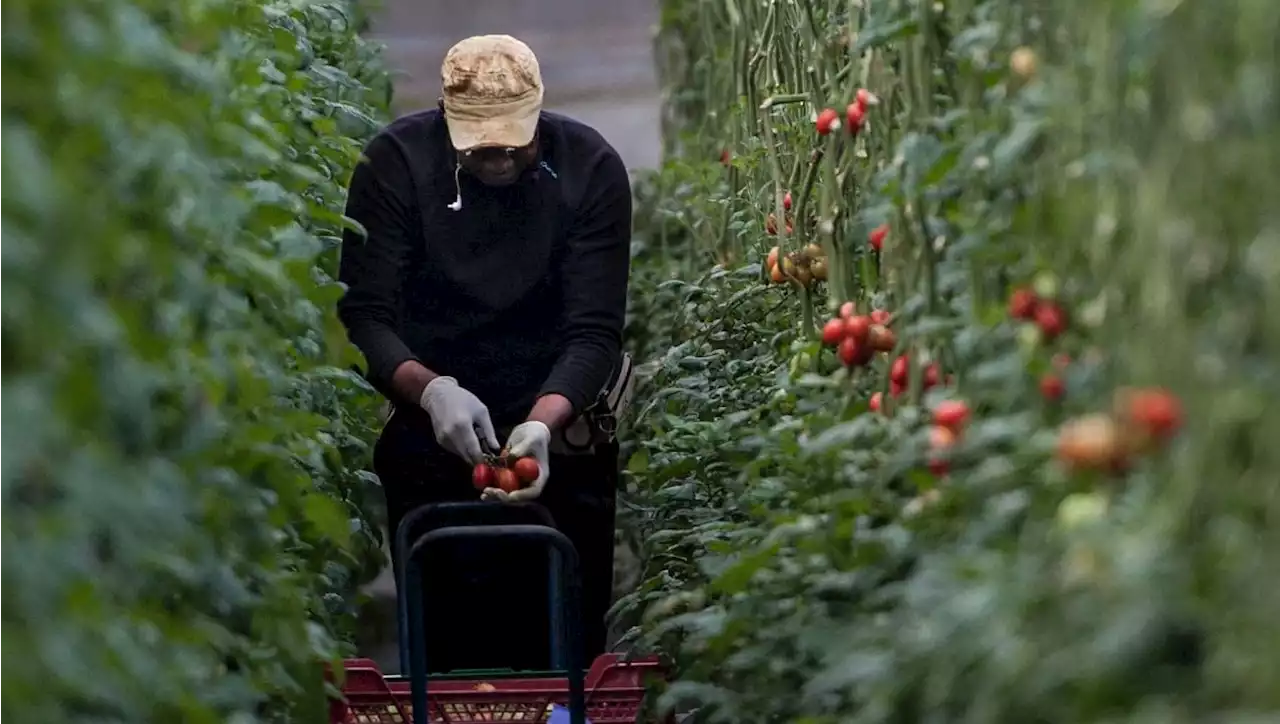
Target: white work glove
column 528, row 439
column 460, row 420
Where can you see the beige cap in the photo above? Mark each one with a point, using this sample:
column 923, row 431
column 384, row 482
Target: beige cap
column 492, row 92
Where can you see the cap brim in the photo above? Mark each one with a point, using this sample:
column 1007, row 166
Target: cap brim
column 508, row 132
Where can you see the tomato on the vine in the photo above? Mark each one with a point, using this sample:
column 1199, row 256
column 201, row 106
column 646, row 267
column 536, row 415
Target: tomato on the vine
column 507, row 480
column 932, row 375
column 898, row 370
column 527, row 469
column 1022, row 303
column 853, row 116
column 482, row 476
column 881, row 338
column 857, row 328
column 1155, row 410
column 827, row 121
column 852, row 352
column 833, row 332
column 877, row 235
column 1050, row 318
column 951, row 414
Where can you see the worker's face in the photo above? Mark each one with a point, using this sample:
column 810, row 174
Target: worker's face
column 498, row 166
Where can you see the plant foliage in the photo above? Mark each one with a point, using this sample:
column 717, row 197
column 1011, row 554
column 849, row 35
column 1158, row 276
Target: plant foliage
column 183, row 441
column 809, row 560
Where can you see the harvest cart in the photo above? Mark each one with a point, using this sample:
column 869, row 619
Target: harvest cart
column 610, row 692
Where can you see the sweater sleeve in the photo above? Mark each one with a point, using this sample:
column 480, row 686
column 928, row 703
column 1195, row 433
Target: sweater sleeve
column 372, row 267
column 594, row 275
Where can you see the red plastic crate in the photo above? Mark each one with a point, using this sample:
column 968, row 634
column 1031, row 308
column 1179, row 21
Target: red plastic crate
column 614, row 691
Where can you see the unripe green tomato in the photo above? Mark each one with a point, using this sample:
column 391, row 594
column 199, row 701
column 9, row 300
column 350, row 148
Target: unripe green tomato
column 1045, row 285
column 1081, row 509
column 1029, row 339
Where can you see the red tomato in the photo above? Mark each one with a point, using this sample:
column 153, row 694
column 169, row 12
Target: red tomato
column 877, row 235
column 833, row 332
column 786, row 201
column 896, row 389
column 725, row 158
column 1022, row 304
column 1155, row 409
column 853, row 117
column 951, row 415
column 828, row 120
column 865, row 98
column 876, row 401
column 932, row 374
column 527, row 470
column 771, row 225
column 880, row 316
column 847, row 310
column 1052, row 387
column 898, row 371
column 857, row 328
column 853, row 353
column 482, row 476
column 507, row 480
column 1051, row 319
column 882, row 338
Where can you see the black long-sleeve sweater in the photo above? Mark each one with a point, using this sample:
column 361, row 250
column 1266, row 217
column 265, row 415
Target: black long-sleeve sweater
column 520, row 293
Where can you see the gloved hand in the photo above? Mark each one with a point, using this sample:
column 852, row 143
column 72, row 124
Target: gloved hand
column 458, row 418
column 528, row 439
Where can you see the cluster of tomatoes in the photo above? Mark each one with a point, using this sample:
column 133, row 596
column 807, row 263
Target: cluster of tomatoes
column 855, row 114
column 771, row 223
column 857, row 337
column 899, row 374
column 505, row 473
column 1050, row 319
column 1140, row 420
column 828, row 119
column 1046, row 314
column 804, row 267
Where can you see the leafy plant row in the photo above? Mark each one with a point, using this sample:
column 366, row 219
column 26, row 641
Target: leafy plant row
column 183, row 443
column 959, row 336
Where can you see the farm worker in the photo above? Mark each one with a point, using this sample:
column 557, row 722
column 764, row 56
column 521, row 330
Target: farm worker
column 487, row 294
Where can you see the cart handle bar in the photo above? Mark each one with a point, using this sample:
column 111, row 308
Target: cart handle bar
column 570, row 594
column 459, row 512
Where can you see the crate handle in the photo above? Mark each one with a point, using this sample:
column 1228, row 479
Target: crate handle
column 372, row 677
column 451, row 513
column 570, row 597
